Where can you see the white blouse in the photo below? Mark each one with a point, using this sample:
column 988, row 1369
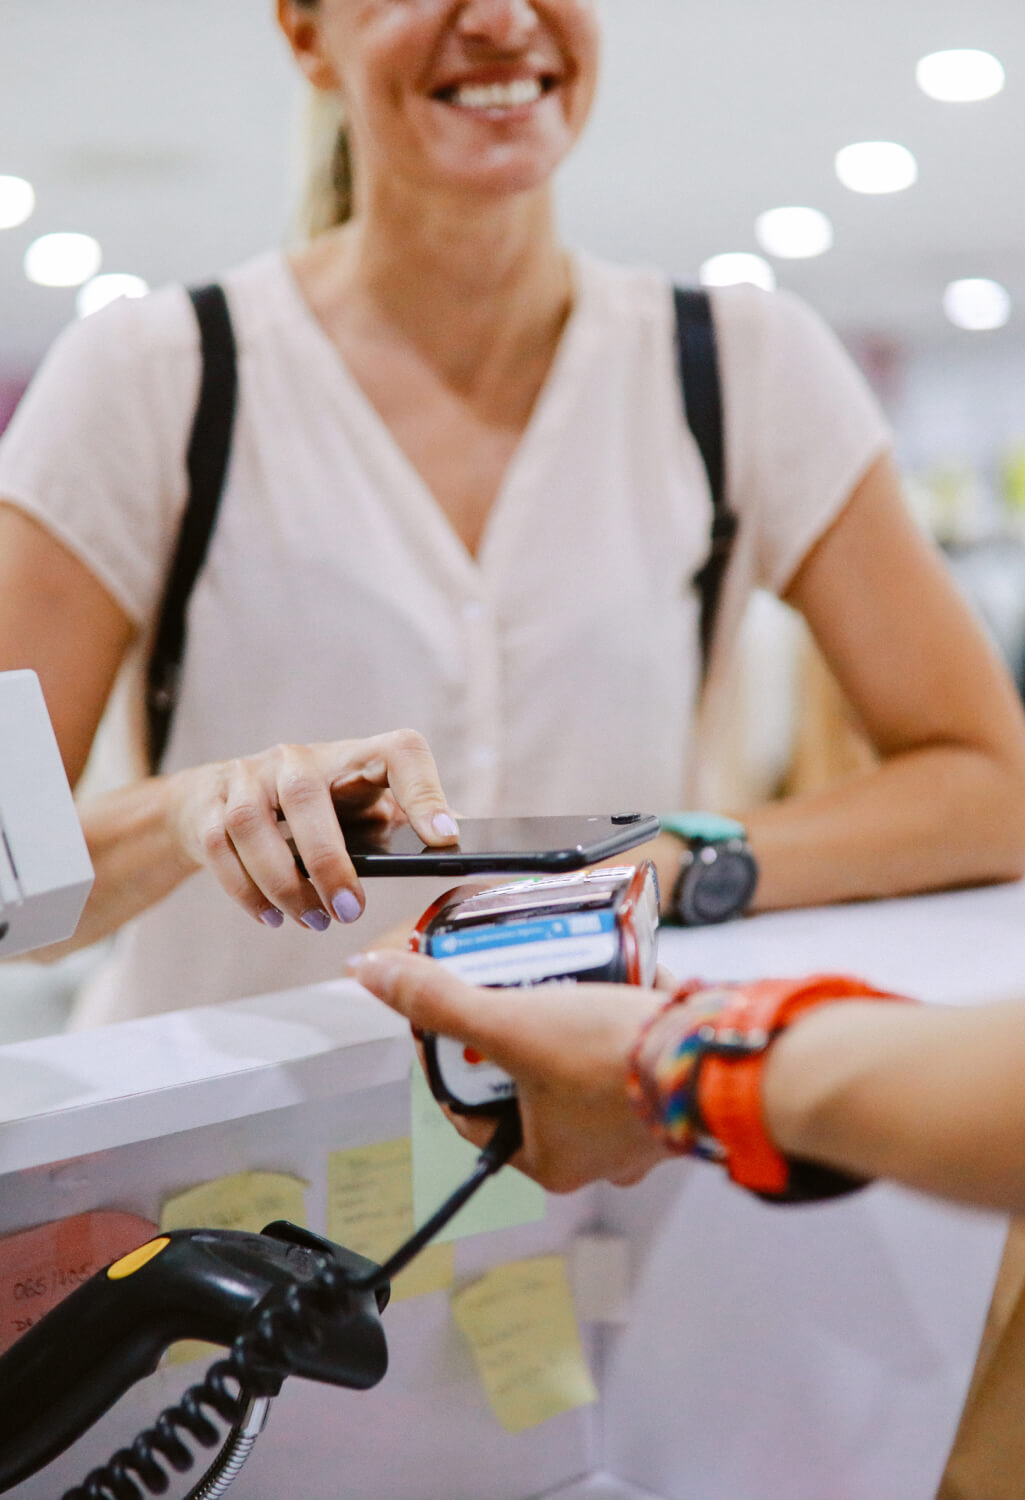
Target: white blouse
column 556, row 672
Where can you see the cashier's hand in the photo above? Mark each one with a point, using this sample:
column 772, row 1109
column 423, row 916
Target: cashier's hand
column 567, row 1046
column 236, row 816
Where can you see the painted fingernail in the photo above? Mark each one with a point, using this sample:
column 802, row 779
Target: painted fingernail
column 345, row 906
column 446, row 825
column 272, row 917
column 316, row 920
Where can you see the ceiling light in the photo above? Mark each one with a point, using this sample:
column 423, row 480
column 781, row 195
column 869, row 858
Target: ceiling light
column 735, row 268
column 794, row 233
column 62, row 259
column 876, row 167
column 960, row 77
column 101, row 290
column 17, row 200
column 977, row 304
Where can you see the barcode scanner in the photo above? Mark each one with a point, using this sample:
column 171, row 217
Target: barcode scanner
column 211, row 1284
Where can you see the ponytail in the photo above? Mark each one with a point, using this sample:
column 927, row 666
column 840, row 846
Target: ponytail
column 327, row 197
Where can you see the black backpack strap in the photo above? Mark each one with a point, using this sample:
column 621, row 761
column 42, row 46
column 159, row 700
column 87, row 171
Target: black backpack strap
column 207, row 463
column 700, row 386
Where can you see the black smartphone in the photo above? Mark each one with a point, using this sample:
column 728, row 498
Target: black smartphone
column 499, row 846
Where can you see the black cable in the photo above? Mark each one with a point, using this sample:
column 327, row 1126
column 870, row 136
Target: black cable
column 121, row 1476
column 259, row 1358
column 507, row 1139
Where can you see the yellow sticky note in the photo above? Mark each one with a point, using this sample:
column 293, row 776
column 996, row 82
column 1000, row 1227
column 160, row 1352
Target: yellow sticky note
column 370, row 1210
column 433, row 1270
column 521, row 1327
column 188, row 1350
column 246, row 1200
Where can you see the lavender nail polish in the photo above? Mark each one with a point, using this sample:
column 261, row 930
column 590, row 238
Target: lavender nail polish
column 345, row 906
column 272, row 917
column 446, row 825
column 316, row 920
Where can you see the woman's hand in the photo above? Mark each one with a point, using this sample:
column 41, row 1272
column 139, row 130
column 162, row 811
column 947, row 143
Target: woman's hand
column 248, row 820
column 568, row 1047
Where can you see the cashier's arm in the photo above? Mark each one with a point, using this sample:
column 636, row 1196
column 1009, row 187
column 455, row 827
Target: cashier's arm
column 929, row 1096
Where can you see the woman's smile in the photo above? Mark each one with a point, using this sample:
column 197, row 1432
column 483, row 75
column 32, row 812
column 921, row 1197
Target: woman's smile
column 482, row 95
column 498, row 97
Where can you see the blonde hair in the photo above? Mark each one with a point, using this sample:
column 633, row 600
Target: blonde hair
column 327, row 194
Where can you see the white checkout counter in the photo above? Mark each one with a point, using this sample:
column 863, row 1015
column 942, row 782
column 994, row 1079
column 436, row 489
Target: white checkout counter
column 811, row 1354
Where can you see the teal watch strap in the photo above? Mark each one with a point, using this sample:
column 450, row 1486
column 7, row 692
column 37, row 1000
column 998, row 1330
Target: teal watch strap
column 709, row 827
column 718, row 872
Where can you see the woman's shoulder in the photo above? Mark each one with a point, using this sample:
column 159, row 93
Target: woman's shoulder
column 261, row 294
column 621, row 292
column 643, row 293
column 754, row 317
column 129, row 335
column 772, row 343
column 162, row 325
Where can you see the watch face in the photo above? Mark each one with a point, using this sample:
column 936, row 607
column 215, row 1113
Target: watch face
column 721, row 888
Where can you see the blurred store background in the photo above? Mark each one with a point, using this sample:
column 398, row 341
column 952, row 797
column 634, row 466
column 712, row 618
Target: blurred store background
column 162, row 140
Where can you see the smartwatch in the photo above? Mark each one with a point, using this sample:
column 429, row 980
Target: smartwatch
column 718, row 872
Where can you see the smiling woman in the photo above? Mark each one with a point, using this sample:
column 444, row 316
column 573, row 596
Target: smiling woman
column 409, row 101
column 462, row 496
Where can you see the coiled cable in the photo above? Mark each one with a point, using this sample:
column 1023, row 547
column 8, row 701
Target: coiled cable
column 139, row 1464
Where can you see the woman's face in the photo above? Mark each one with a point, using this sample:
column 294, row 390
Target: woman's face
column 487, row 96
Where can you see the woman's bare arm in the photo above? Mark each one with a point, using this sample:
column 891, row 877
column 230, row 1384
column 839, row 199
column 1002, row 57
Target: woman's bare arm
column 144, row 839
column 57, row 618
column 946, row 804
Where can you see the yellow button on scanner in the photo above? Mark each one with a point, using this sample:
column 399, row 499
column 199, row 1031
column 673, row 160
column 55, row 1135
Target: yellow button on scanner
column 136, row 1259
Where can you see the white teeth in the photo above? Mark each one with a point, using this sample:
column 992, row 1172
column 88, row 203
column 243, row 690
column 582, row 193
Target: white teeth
column 497, row 95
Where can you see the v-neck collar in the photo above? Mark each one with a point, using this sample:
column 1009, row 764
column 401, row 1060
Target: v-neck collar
column 505, row 515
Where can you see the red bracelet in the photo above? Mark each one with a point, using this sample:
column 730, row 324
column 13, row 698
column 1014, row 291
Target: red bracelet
column 700, row 1085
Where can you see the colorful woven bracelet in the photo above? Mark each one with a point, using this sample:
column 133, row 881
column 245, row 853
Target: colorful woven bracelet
column 663, row 1068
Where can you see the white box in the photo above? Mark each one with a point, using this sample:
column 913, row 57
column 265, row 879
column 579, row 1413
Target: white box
column 45, row 871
